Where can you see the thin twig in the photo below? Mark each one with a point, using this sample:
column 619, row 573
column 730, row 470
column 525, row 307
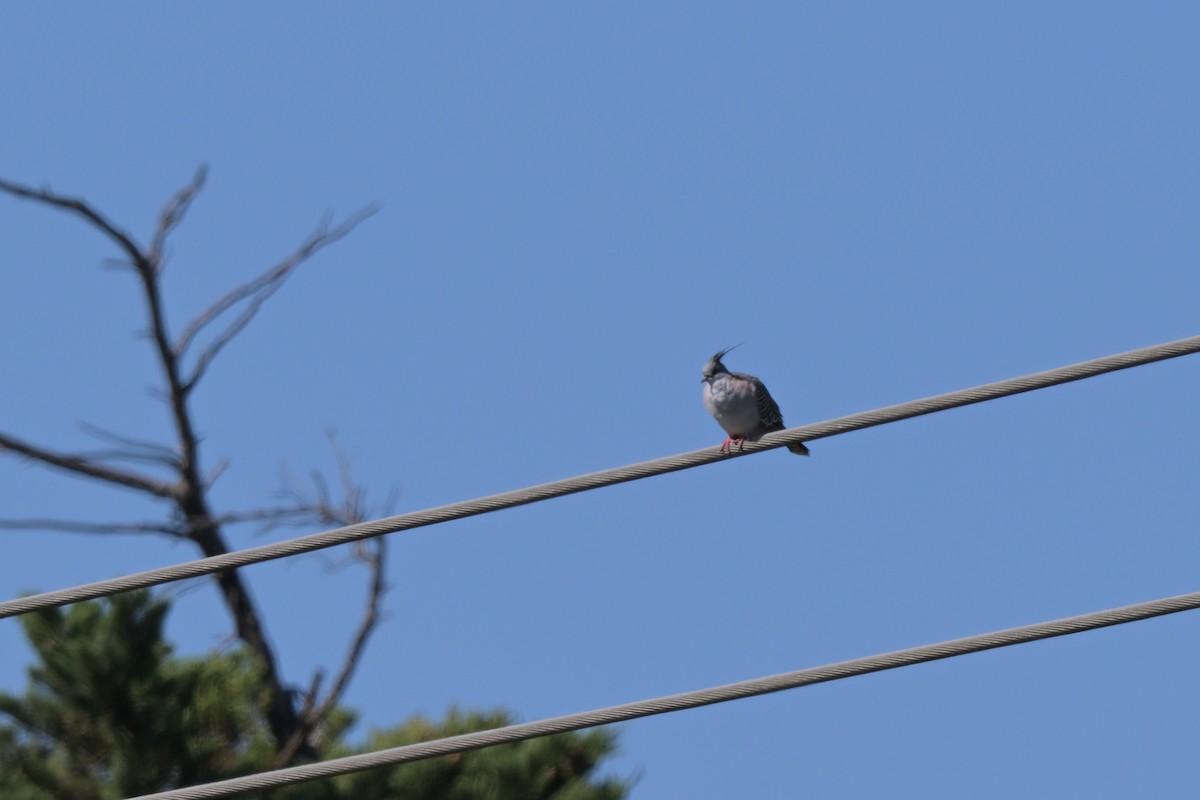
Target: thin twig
column 257, row 292
column 77, row 206
column 172, row 214
column 274, row 515
column 354, row 495
column 81, row 465
column 215, row 473
column 373, row 554
column 196, row 522
column 76, row 526
column 288, row 751
column 189, row 494
column 352, row 509
column 128, row 442
column 378, row 587
column 130, row 455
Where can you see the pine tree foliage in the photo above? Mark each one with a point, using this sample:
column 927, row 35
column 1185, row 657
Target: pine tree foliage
column 111, row 712
column 547, row 768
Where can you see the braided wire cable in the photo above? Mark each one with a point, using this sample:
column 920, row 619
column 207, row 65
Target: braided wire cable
column 594, row 480
column 686, row 700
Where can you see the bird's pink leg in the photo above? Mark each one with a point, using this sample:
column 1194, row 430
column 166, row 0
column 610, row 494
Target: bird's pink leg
column 732, row 440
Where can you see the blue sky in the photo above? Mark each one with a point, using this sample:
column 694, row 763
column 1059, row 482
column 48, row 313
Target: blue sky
column 581, row 203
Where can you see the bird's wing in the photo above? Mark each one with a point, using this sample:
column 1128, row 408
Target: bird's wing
column 769, row 416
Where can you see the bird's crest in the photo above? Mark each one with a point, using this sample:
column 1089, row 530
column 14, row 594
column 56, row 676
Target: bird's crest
column 714, row 365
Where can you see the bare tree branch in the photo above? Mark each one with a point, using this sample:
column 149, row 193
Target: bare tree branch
column 373, row 554
column 130, row 455
column 352, row 509
column 314, row 691
column 190, row 493
column 81, row 465
column 172, row 214
column 194, row 519
column 257, row 292
column 81, row 208
column 127, row 442
column 323, row 503
column 75, row 526
column 288, row 751
column 129, row 449
column 313, row 715
column 274, row 516
column 215, row 473
column 318, row 239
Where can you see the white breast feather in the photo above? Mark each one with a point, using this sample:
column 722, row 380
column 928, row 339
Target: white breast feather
column 732, row 406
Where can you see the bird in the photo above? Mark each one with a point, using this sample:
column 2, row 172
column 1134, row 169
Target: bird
column 741, row 405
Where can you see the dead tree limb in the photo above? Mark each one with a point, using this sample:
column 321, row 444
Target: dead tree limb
column 255, row 293
column 194, row 518
column 372, row 554
column 78, row 526
column 88, row 468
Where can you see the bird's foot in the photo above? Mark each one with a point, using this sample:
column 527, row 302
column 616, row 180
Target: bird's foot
column 727, row 445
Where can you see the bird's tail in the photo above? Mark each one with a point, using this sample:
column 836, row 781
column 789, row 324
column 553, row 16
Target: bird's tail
column 798, row 448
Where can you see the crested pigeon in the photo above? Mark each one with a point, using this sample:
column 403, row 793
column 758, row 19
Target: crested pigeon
column 741, row 405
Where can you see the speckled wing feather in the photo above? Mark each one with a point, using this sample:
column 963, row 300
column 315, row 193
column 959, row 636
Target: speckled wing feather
column 770, row 418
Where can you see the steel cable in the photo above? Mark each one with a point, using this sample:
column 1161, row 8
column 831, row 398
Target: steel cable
column 686, row 700
column 594, row 480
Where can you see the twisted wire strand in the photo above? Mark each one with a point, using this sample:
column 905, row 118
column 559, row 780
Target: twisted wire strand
column 594, row 480
column 686, row 700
